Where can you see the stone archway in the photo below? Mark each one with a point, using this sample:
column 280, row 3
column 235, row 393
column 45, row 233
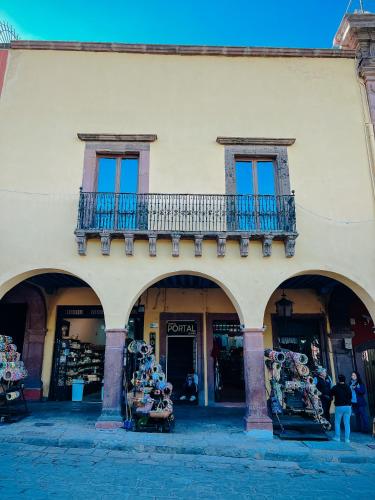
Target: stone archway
column 35, row 332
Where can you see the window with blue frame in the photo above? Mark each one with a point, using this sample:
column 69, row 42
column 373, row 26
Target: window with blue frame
column 256, row 204
column 117, row 188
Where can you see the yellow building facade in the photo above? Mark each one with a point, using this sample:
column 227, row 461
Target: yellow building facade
column 191, row 118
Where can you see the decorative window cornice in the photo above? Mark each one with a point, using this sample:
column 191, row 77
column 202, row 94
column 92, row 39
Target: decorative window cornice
column 255, row 141
column 117, row 137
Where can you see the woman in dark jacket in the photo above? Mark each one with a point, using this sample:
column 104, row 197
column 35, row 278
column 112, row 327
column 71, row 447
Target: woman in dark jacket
column 359, row 402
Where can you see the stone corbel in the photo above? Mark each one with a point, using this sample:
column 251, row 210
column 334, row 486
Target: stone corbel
column 152, row 237
column 244, row 245
column 198, row 239
column 176, row 245
column 267, row 245
column 81, row 239
column 290, row 244
column 221, row 245
column 105, row 241
column 129, row 244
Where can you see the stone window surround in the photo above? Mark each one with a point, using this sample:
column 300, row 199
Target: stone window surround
column 110, row 145
column 276, row 152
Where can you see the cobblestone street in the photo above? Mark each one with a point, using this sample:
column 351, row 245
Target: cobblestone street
column 35, row 472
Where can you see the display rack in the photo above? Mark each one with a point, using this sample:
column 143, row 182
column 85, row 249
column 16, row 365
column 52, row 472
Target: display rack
column 13, row 406
column 77, row 360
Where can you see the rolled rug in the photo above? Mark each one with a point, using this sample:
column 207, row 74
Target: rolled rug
column 13, row 395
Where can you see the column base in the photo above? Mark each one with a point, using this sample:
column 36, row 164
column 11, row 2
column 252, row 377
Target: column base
column 32, row 394
column 259, row 427
column 109, row 419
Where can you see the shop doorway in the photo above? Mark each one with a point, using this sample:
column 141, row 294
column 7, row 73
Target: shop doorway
column 181, row 358
column 227, row 359
column 368, row 358
column 13, row 322
column 79, row 352
column 302, row 333
column 181, row 350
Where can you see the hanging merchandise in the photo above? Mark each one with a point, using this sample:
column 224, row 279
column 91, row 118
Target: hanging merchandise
column 292, row 387
column 12, row 372
column 149, row 406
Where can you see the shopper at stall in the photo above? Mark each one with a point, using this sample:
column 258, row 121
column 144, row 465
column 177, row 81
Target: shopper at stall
column 190, row 388
column 359, row 402
column 342, row 395
column 323, row 383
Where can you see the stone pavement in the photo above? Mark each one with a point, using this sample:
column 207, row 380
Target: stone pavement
column 215, row 432
column 47, row 472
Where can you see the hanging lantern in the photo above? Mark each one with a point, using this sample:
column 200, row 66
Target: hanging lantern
column 284, row 307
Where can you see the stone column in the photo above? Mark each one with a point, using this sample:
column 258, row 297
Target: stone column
column 257, row 421
column 111, row 417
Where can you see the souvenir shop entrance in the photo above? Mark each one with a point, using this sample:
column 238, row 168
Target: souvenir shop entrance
column 181, row 350
column 78, row 360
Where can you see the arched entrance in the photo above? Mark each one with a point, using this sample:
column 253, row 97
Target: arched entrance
column 194, row 326
column 23, row 316
column 57, row 322
column 328, row 322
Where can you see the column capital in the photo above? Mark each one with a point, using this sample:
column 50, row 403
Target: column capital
column 117, row 330
column 261, row 329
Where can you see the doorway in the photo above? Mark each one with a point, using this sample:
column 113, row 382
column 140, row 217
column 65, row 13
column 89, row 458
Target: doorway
column 181, row 359
column 368, row 357
column 13, row 319
column 181, row 349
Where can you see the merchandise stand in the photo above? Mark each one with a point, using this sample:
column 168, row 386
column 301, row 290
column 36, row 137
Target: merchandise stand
column 13, row 406
column 148, row 402
column 294, row 399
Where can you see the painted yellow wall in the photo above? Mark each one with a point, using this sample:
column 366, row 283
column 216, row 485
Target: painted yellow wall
column 187, row 101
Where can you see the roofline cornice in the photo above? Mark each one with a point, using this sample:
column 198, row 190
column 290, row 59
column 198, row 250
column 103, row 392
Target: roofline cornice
column 187, row 50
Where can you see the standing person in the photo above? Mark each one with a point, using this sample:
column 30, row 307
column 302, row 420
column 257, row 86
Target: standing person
column 324, row 385
column 342, row 395
column 359, row 402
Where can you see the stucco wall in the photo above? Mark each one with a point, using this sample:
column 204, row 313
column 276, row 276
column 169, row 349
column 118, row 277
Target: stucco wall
column 49, row 96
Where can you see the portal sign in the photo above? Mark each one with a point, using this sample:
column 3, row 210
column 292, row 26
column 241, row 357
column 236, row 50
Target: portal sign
column 181, row 327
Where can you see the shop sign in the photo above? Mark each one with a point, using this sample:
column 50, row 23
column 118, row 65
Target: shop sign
column 153, row 340
column 181, row 327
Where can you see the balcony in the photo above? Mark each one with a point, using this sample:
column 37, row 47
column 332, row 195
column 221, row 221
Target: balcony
column 189, row 216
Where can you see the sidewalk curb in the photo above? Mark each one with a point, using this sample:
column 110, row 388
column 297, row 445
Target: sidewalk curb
column 254, row 453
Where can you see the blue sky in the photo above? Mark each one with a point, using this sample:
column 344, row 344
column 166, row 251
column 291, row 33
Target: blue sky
column 280, row 23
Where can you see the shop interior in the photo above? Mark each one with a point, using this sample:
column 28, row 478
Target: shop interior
column 79, row 354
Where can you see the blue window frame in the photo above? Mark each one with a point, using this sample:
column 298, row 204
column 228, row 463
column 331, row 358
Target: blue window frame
column 117, row 188
column 256, row 207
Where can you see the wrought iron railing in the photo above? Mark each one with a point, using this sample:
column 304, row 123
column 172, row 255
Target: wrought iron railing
column 186, row 213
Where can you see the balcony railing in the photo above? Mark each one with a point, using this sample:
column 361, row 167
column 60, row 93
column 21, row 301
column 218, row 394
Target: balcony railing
column 208, row 215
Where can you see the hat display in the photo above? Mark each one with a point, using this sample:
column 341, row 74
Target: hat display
column 12, row 368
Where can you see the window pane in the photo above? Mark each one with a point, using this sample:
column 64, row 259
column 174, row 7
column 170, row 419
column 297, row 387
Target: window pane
column 128, row 209
column 266, row 180
column 107, row 175
column 243, row 213
column 266, row 204
column 244, row 177
column 129, row 175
